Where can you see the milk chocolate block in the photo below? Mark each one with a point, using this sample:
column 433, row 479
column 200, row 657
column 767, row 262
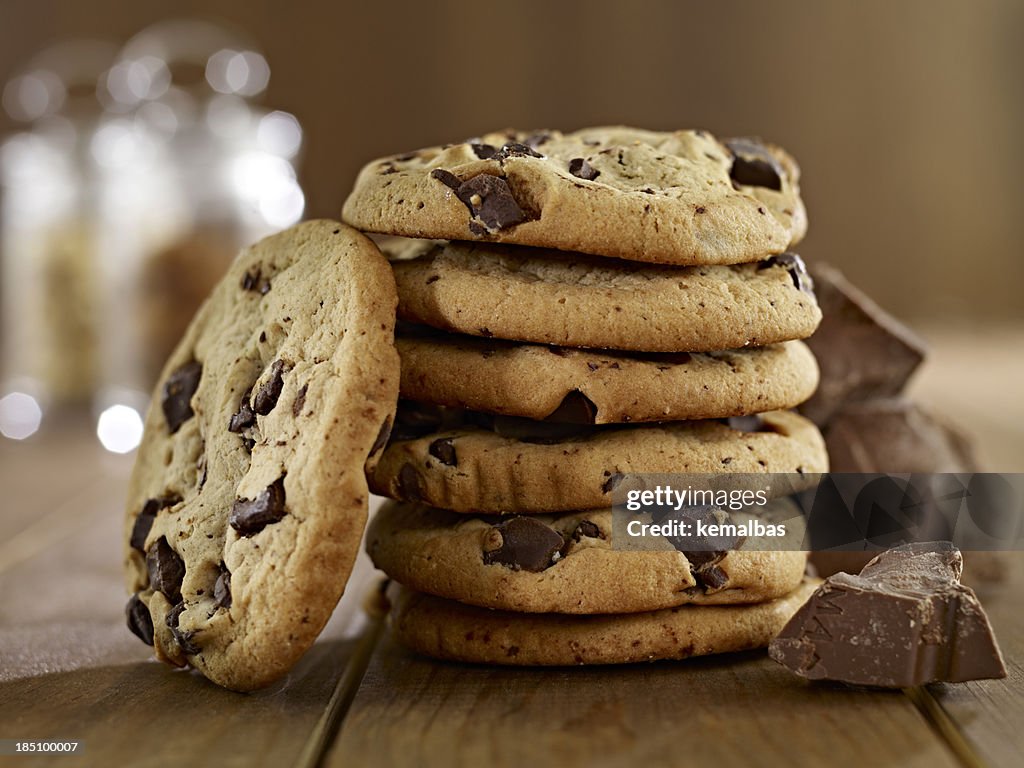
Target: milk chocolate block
column 895, row 435
column 905, row 620
column 862, row 350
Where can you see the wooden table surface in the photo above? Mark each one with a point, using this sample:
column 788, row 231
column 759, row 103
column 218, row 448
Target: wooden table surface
column 69, row 669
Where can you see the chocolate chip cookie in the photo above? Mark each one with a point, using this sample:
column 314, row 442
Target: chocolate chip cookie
column 672, row 198
column 601, row 387
column 569, row 299
column 449, row 630
column 248, row 498
column 563, row 563
column 472, row 463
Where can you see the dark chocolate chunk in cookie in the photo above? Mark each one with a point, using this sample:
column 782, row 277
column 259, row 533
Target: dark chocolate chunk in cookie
column 523, row 543
column 139, row 620
column 575, row 408
column 490, row 201
column 483, row 151
column 753, row 165
column 266, row 397
column 582, row 169
column 409, row 483
column 182, row 638
column 588, row 529
column 250, row 516
column 222, row 588
column 243, row 417
column 796, row 267
column 443, row 450
column 166, row 569
column 144, row 522
column 177, row 394
column 254, row 281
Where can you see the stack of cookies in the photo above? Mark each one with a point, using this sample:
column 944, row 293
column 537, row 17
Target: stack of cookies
column 574, row 308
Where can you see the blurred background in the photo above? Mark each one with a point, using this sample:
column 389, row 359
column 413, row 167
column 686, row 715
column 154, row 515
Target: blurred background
column 906, row 118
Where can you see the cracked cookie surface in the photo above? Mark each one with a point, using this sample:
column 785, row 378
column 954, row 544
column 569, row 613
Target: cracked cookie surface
column 680, row 197
column 248, row 498
column 563, row 563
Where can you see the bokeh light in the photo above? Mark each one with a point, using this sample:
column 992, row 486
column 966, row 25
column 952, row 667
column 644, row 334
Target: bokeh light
column 20, row 415
column 119, row 429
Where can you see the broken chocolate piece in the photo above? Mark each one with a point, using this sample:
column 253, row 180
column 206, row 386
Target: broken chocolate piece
column 443, row 450
column 250, row 516
column 796, row 267
column 409, row 483
column 905, row 620
column 243, row 417
column 447, row 178
column 581, row 169
column 166, row 569
column 588, row 529
column 140, row 622
column 177, row 394
column 490, row 201
column 753, row 165
column 222, row 588
column 523, row 543
column 863, row 352
column 299, row 401
column 266, row 397
column 182, row 637
column 575, row 408
column 484, row 151
column 144, row 522
column 894, row 436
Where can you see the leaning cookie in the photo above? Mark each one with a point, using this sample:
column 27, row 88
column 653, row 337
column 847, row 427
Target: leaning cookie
column 602, row 387
column 449, row 630
column 248, row 498
column 672, row 198
column 563, row 563
column 543, row 467
column 550, row 297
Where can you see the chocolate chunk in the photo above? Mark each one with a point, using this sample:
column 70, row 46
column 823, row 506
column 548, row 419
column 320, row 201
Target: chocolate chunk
column 253, row 281
column 611, row 483
column 796, row 267
column 447, row 178
column 711, row 577
column 588, row 529
column 863, row 352
column 515, row 149
column 443, row 450
column 483, row 151
column 266, row 397
column 177, row 394
column 895, row 435
column 905, row 620
column 382, row 436
column 222, row 588
column 243, row 417
column 490, row 201
column 575, row 408
column 166, row 569
column 144, row 522
column 250, row 516
column 753, row 165
column 299, row 401
column 409, row 483
column 538, row 138
column 182, row 638
column 140, row 622
column 582, row 169
column 525, row 544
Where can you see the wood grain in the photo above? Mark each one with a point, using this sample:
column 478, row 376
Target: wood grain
column 736, row 710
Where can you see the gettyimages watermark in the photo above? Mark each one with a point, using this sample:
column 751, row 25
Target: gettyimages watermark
column 832, row 511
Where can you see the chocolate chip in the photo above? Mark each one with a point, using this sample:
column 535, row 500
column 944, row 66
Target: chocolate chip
column 243, row 417
column 447, row 178
column 515, row 149
column 177, row 394
column 588, row 529
column 248, row 443
column 250, row 516
column 753, row 165
column 409, row 483
column 222, row 588
column 575, row 408
column 490, row 200
column 299, row 401
column 266, row 397
column 537, row 138
column 611, row 483
column 182, row 638
column 144, row 522
column 443, row 450
column 483, row 151
column 526, row 544
column 382, row 436
column 796, row 267
column 140, row 622
column 581, row 169
column 166, row 569
column 253, row 281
